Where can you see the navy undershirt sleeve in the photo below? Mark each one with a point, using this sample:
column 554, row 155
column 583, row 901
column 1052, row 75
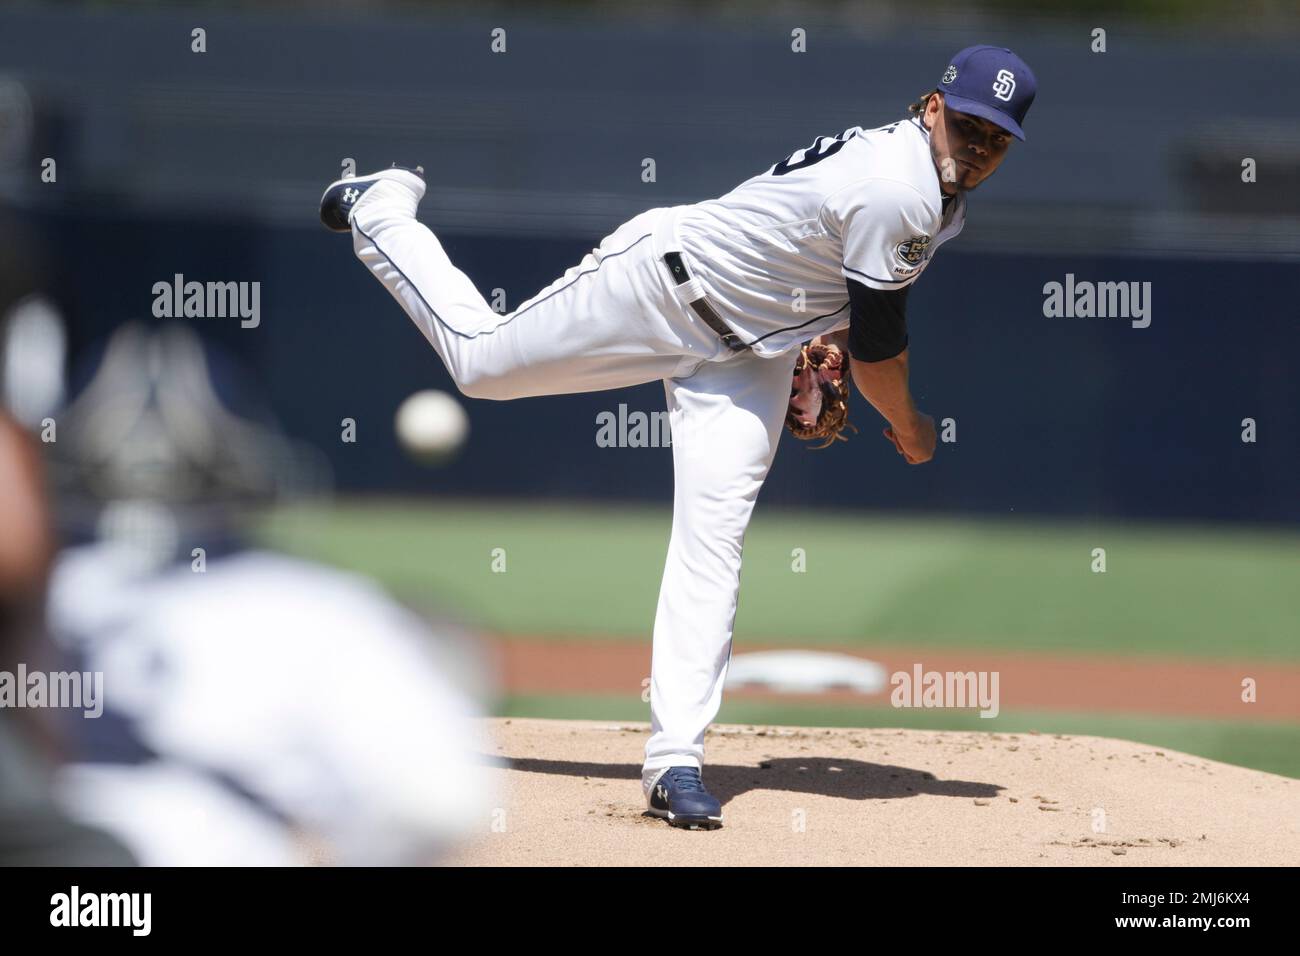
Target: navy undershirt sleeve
column 877, row 322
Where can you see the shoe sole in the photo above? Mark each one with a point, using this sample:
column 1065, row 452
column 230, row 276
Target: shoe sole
column 683, row 822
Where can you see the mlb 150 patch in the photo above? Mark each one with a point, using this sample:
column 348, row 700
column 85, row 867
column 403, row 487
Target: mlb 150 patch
column 913, row 250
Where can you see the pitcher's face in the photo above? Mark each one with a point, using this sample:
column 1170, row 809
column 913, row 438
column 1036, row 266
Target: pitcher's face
column 966, row 149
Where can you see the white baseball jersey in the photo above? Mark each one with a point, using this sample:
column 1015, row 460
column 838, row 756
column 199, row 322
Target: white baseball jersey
column 233, row 722
column 774, row 254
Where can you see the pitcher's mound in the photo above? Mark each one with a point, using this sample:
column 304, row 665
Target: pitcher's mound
column 570, row 794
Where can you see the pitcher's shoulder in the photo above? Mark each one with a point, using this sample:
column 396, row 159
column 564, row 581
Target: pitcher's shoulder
column 879, row 160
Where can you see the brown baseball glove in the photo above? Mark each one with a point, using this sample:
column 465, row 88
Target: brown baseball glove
column 819, row 395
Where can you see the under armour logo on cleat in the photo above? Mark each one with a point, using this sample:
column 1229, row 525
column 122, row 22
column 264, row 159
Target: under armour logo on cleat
column 662, row 793
column 351, row 195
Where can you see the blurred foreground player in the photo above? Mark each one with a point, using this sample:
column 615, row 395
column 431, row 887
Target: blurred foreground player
column 259, row 709
column 32, row 831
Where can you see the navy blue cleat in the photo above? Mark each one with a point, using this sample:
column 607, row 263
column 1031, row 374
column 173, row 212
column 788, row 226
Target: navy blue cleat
column 677, row 794
column 341, row 196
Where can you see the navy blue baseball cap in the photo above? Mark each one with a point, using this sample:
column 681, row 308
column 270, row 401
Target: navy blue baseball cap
column 992, row 83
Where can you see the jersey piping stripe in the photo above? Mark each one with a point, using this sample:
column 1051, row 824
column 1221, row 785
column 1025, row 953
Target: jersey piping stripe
column 795, row 328
column 466, row 335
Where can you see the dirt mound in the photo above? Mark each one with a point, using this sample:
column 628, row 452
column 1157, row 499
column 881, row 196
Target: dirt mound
column 571, row 795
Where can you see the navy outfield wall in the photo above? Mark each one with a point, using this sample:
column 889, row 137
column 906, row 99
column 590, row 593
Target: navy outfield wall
column 1054, row 416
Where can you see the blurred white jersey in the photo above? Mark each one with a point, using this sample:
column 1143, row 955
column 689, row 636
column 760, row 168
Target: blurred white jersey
column 279, row 712
column 774, row 254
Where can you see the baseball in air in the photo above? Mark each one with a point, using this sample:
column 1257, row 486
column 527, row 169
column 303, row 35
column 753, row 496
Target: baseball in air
column 431, row 425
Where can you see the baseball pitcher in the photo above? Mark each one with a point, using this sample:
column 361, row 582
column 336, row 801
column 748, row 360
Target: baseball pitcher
column 717, row 300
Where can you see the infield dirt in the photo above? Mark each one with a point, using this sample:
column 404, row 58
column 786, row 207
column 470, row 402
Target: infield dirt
column 570, row 794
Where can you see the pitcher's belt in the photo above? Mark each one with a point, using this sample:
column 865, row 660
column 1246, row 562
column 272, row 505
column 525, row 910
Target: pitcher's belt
column 701, row 306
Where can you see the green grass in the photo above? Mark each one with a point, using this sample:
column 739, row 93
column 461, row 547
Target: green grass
column 1261, row 746
column 999, row 585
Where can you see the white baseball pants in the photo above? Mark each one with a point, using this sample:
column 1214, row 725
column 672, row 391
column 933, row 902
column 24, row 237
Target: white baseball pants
column 612, row 321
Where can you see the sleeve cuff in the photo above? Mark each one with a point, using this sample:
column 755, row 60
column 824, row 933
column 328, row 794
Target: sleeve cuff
column 874, row 282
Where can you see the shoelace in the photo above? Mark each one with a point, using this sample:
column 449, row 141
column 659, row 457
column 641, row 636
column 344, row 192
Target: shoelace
column 686, row 779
